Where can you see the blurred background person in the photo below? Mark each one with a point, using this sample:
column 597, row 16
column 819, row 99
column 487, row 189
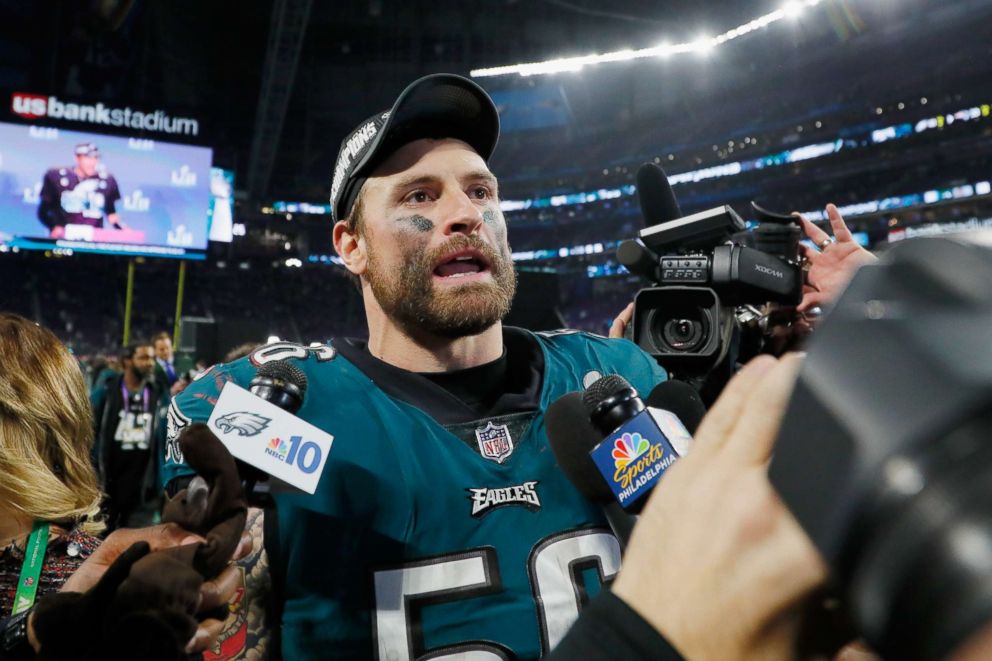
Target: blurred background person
column 165, row 368
column 47, row 482
column 101, row 367
column 128, row 420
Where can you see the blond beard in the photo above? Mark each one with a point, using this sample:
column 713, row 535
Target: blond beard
column 411, row 299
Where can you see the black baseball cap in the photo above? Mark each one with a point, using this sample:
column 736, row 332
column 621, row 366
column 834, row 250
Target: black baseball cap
column 437, row 106
column 87, row 149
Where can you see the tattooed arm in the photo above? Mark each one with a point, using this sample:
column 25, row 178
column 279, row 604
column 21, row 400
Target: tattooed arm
column 246, row 632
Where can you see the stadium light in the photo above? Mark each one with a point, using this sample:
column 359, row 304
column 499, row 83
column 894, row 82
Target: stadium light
column 791, row 9
column 702, row 46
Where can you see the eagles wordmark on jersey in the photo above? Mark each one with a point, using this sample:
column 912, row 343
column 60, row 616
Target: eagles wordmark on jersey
column 431, row 532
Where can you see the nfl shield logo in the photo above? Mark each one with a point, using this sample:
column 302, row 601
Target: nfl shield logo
column 494, row 442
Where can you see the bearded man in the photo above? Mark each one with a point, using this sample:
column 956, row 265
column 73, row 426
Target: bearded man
column 441, row 524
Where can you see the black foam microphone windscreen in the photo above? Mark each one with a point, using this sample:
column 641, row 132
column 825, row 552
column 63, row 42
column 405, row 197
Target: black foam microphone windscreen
column 658, row 203
column 281, row 383
column 681, row 399
column 572, row 437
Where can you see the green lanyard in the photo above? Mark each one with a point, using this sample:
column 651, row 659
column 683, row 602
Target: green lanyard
column 34, row 558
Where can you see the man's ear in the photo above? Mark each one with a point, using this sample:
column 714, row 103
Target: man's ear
column 350, row 247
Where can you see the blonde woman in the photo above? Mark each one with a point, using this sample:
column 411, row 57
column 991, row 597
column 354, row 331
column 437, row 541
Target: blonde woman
column 49, row 496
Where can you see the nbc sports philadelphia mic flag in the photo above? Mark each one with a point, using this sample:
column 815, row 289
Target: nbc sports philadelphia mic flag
column 634, row 457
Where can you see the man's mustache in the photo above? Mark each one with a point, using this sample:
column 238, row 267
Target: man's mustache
column 461, row 242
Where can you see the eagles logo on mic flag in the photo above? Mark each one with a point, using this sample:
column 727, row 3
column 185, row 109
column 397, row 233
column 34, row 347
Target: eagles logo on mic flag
column 634, row 457
column 269, row 438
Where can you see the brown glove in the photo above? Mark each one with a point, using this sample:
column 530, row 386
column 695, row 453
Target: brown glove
column 213, row 504
column 125, row 615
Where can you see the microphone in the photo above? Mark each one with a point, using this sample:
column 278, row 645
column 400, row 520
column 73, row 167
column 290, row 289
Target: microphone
column 280, row 383
column 658, row 205
column 283, row 384
column 680, row 398
column 640, row 443
column 655, row 194
column 665, row 227
column 573, row 436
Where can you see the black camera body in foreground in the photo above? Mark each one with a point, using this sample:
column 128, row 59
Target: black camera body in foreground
column 704, row 266
column 885, row 452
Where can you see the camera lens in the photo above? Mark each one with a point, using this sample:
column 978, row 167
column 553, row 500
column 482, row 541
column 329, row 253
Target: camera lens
column 915, row 588
column 684, row 333
column 681, row 328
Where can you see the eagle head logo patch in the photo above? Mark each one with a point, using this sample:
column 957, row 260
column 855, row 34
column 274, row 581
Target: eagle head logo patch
column 243, row 422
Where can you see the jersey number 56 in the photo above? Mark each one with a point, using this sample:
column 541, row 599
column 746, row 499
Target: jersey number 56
column 552, row 568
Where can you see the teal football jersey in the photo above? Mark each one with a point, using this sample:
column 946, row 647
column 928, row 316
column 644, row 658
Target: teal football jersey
column 460, row 540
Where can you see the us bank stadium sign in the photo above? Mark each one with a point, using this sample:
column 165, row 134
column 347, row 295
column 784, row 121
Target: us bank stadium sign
column 37, row 106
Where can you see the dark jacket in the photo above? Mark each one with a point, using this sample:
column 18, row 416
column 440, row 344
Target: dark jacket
column 129, row 474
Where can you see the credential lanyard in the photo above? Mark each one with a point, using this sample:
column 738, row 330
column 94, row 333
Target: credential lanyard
column 34, row 558
column 127, row 398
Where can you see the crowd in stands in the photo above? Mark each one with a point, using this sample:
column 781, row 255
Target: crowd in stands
column 83, row 298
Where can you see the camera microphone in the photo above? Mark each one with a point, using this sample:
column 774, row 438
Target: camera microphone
column 655, row 194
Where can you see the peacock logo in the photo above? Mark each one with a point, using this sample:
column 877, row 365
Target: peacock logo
column 627, row 448
column 305, row 455
column 277, row 448
column 633, row 456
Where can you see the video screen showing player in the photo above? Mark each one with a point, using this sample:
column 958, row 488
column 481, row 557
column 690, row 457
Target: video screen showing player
column 89, row 192
column 81, row 194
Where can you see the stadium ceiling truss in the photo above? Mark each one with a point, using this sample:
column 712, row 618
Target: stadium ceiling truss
column 289, row 23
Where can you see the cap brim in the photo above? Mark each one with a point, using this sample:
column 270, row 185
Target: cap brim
column 436, row 106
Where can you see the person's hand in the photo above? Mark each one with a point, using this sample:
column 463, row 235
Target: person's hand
column 716, row 563
column 57, row 232
column 787, row 329
column 213, row 503
column 620, row 323
column 213, row 594
column 158, row 538
column 164, row 536
column 166, row 594
column 856, row 651
column 833, row 265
